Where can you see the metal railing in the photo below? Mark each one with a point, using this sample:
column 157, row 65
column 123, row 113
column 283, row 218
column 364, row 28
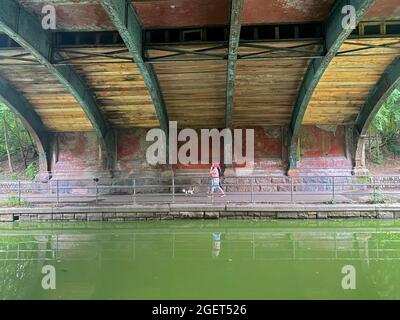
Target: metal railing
column 195, row 189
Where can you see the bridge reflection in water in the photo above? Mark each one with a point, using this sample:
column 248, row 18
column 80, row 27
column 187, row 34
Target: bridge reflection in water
column 264, row 259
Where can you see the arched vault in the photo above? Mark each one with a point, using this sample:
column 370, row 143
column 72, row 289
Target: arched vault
column 388, row 82
column 30, row 119
column 27, row 31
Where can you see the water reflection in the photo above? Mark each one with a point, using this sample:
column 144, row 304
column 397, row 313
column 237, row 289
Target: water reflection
column 217, row 244
column 269, row 259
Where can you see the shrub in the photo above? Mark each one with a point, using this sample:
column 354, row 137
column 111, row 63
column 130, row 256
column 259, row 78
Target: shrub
column 14, row 176
column 360, row 180
column 394, row 147
column 376, row 156
column 331, row 201
column 32, row 170
column 378, row 197
column 13, row 201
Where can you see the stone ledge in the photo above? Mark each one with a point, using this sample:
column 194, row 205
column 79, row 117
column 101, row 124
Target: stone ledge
column 134, row 213
column 6, row 218
column 257, row 207
column 147, row 216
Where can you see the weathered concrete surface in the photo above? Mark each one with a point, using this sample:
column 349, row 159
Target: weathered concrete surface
column 170, row 212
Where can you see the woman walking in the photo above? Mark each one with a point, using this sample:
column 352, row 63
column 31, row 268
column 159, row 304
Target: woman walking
column 215, row 180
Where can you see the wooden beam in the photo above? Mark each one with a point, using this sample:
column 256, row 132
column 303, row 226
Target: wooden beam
column 236, row 12
column 389, row 81
column 128, row 24
column 14, row 100
column 335, row 35
column 27, row 31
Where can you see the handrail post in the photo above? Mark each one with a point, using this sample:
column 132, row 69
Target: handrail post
column 173, row 188
column 57, row 192
column 333, row 188
column 212, row 192
column 374, row 187
column 134, row 190
column 19, row 192
column 97, row 192
column 291, row 189
column 251, row 189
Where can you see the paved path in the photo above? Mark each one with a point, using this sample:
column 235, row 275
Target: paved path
column 267, row 197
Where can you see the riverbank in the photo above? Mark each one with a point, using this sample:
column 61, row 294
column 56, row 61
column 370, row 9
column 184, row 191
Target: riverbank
column 188, row 211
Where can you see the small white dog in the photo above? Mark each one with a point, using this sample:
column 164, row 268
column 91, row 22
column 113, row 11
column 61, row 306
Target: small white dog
column 189, row 191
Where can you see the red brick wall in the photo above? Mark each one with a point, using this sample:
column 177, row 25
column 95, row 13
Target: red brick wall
column 78, row 153
column 323, row 148
column 131, row 151
column 267, row 150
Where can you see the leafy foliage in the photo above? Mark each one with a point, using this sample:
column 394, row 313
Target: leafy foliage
column 14, row 176
column 377, row 197
column 15, row 142
column 387, row 124
column 331, row 201
column 14, row 201
column 32, row 170
column 18, row 136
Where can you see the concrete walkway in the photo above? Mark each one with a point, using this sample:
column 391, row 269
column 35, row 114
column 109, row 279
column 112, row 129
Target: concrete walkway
column 265, row 197
column 306, row 205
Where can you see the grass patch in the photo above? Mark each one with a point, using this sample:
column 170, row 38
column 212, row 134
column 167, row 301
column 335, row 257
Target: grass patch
column 331, row 201
column 378, row 197
column 360, row 180
column 13, row 201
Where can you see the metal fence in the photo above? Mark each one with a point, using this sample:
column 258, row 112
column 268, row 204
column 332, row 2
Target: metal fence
column 195, row 189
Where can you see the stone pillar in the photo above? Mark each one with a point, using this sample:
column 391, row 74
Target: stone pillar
column 167, row 170
column 108, row 161
column 43, row 148
column 229, row 171
column 349, row 142
column 359, row 168
column 285, row 142
column 293, row 155
column 44, row 169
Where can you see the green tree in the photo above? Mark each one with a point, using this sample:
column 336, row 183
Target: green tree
column 14, row 138
column 387, row 124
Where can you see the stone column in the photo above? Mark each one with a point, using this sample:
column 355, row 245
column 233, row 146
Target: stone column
column 44, row 169
column 293, row 152
column 229, row 171
column 166, row 170
column 359, row 168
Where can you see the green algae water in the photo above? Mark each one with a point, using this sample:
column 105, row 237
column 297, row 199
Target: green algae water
column 228, row 259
